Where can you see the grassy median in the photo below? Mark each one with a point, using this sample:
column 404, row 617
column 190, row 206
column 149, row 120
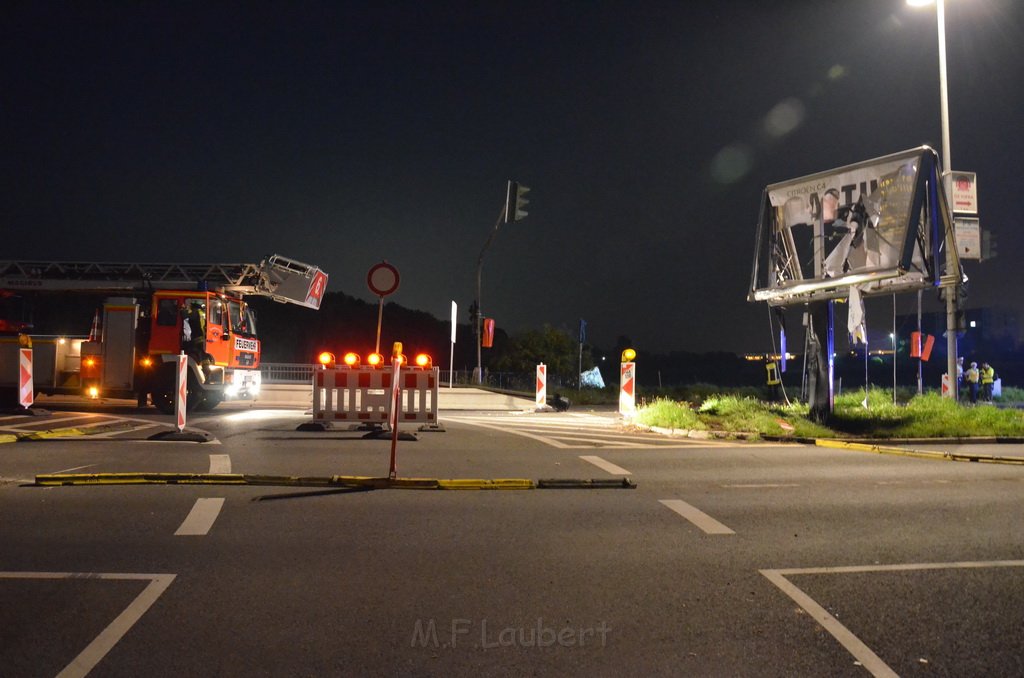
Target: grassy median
column 924, row 416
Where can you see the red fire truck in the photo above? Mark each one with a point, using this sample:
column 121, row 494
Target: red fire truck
column 151, row 313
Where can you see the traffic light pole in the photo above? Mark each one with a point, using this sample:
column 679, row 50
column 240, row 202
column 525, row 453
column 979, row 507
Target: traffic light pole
column 479, row 309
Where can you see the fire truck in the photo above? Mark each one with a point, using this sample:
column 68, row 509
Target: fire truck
column 150, row 314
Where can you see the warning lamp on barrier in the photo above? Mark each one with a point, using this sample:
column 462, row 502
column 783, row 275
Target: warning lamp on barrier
column 93, row 392
column 351, row 359
column 396, row 354
column 145, row 362
column 375, row 360
column 627, row 355
column 425, row 361
column 326, row 359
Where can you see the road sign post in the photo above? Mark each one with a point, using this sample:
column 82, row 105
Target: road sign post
column 396, row 405
column 382, row 280
column 451, row 358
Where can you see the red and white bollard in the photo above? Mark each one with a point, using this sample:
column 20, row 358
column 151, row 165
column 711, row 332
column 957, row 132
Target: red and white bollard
column 542, row 386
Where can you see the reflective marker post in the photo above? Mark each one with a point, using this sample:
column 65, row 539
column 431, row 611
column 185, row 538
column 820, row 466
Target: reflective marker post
column 627, row 384
column 181, row 389
column 542, row 386
column 26, row 390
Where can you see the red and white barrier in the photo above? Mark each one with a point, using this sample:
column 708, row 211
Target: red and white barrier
column 362, row 395
column 26, row 390
column 542, row 385
column 627, row 389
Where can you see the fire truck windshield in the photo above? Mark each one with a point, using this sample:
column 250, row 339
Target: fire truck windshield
column 241, row 317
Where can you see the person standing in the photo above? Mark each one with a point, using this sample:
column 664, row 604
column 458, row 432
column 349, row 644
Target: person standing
column 973, row 378
column 987, row 376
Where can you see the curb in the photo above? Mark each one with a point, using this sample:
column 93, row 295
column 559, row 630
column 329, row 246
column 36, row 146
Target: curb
column 364, row 482
column 921, row 454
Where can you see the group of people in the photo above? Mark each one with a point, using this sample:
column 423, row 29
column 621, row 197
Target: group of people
column 979, row 380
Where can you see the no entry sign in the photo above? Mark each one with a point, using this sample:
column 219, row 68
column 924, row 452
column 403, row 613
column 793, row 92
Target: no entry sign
column 382, row 279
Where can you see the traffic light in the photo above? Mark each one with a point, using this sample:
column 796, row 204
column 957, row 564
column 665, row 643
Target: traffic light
column 515, row 201
column 988, row 245
column 474, row 314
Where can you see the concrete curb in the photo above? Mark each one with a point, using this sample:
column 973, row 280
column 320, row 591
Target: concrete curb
column 360, row 482
column 921, row 454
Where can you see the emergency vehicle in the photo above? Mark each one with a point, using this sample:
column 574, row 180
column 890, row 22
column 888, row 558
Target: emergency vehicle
column 150, row 314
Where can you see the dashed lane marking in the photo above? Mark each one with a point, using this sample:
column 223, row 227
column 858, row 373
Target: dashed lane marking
column 220, row 463
column 606, row 465
column 757, row 486
column 697, row 517
column 201, row 518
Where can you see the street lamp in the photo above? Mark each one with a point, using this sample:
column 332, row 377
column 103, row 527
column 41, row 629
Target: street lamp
column 947, row 165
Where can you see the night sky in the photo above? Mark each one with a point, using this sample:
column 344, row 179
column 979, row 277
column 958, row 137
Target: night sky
column 343, row 134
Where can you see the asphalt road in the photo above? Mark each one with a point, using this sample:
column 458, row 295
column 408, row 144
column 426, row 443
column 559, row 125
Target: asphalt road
column 727, row 559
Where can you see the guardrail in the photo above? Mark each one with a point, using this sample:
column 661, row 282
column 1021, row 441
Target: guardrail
column 286, row 373
column 302, row 373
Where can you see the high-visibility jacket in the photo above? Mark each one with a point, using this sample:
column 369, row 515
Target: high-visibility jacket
column 972, row 375
column 988, row 375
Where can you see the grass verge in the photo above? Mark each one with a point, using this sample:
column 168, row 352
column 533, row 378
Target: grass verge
column 926, row 416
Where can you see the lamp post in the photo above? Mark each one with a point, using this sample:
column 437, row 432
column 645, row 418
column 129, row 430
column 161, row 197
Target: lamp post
column 952, row 268
column 892, row 336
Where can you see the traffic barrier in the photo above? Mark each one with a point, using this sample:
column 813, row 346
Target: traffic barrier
column 361, row 395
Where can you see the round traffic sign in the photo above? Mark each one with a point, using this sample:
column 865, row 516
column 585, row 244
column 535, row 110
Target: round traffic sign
column 382, row 279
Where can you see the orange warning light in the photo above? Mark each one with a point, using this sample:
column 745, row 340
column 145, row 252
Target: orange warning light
column 423, row 360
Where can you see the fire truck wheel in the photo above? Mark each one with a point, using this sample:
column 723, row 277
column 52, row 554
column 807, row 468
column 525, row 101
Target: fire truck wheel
column 163, row 398
column 210, row 401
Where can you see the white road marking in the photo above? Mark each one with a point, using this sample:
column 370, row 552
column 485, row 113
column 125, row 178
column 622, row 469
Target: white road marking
column 606, row 465
column 753, row 486
column 697, row 517
column 88, row 658
column 861, row 652
column 220, row 463
column 76, row 468
column 584, row 432
column 126, row 431
column 200, row 519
